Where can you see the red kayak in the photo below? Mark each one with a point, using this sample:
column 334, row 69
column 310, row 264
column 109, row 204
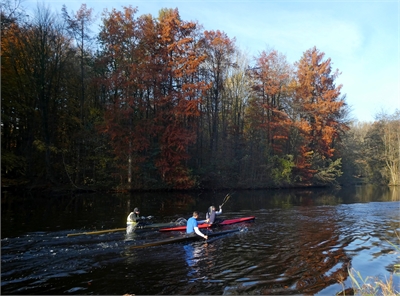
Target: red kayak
column 206, row 225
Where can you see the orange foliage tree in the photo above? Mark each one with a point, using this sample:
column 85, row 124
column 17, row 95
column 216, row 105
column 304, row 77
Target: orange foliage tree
column 179, row 96
column 270, row 78
column 154, row 93
column 320, row 110
column 163, row 92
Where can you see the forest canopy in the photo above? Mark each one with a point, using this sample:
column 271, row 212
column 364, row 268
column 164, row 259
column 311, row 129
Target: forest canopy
column 157, row 102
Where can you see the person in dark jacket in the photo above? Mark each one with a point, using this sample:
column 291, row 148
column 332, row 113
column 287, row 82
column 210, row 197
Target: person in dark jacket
column 212, row 215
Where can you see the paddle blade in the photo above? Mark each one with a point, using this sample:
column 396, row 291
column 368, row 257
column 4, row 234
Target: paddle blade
column 226, row 199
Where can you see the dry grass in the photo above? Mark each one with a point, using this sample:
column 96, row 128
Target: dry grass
column 372, row 286
column 375, row 286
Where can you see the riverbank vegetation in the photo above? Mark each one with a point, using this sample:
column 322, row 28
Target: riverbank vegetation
column 370, row 286
column 375, row 286
column 153, row 103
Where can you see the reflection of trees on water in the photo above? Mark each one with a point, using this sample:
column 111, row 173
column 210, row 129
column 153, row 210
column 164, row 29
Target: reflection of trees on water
column 179, row 202
column 321, row 259
column 40, row 212
column 284, row 199
column 300, row 250
column 161, row 204
column 287, row 198
column 369, row 193
column 395, row 193
column 311, row 252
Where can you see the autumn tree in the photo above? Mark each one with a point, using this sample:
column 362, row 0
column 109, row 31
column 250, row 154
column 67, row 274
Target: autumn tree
column 37, row 56
column 321, row 114
column 78, row 26
column 119, row 39
column 236, row 92
column 271, row 76
column 179, row 97
column 224, row 168
column 391, row 143
column 13, row 161
column 382, row 149
column 11, row 13
column 154, row 93
column 219, row 49
column 267, row 123
column 352, row 152
column 175, row 106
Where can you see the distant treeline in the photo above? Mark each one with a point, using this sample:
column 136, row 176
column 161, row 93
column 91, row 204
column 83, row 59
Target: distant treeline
column 158, row 103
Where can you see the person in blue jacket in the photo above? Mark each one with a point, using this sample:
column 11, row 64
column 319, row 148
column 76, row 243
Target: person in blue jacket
column 192, row 226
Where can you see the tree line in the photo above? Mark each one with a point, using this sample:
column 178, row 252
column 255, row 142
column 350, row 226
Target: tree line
column 159, row 103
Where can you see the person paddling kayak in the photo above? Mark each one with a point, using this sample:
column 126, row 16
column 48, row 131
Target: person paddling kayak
column 192, row 226
column 212, row 215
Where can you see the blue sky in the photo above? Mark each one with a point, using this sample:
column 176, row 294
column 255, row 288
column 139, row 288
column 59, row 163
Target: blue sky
column 360, row 37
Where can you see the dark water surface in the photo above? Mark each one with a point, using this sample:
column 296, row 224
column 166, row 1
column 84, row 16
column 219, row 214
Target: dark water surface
column 302, row 242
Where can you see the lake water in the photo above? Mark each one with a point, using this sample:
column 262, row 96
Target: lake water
column 301, row 242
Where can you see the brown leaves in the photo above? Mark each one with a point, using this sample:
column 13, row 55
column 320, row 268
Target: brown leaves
column 320, row 102
column 154, row 63
column 157, row 88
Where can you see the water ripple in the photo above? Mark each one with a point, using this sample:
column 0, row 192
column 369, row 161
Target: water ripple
column 298, row 250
